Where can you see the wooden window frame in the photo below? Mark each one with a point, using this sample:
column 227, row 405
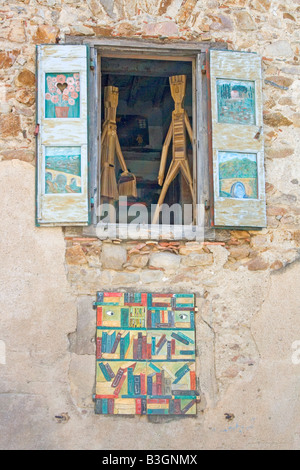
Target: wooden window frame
column 128, row 48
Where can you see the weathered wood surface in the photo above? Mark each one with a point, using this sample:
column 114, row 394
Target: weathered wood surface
column 145, row 46
column 237, row 138
column 93, row 97
column 62, row 208
column 201, row 175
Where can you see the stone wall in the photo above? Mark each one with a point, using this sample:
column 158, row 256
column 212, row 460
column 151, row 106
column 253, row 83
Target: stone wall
column 246, row 282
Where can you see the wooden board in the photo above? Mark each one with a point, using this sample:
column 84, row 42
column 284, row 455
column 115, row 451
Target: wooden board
column 145, row 354
column 62, row 141
column 237, row 150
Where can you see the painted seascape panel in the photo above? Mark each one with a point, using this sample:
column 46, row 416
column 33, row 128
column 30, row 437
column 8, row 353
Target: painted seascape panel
column 237, row 175
column 236, row 101
column 62, row 95
column 62, row 170
column 145, row 354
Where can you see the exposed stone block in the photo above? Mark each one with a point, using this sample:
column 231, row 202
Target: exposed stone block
column 244, row 21
column 102, row 31
column 75, row 255
column 125, row 279
column 279, row 49
column 81, row 30
column 166, row 28
column 187, row 249
column 239, row 252
column 198, row 259
column 222, row 23
column 25, row 78
column 279, row 152
column 282, row 82
column 261, row 5
column 240, row 234
column 164, row 4
column 17, row 31
column 167, row 261
column 8, row 58
column 108, row 6
column 139, row 261
column 296, row 119
column 288, row 16
column 150, row 277
column 276, row 120
column 259, row 242
column 276, row 265
column 293, row 70
column 275, row 210
column 25, row 97
column 10, row 125
column 19, row 154
column 46, row 34
column 95, row 6
column 113, row 256
column 257, row 264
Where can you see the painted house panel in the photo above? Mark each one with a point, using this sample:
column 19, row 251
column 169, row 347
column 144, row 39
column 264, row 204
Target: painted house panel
column 237, row 142
column 236, row 101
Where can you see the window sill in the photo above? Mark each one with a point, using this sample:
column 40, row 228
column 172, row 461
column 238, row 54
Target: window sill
column 149, row 232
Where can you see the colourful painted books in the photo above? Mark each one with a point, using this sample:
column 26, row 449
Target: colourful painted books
column 145, row 353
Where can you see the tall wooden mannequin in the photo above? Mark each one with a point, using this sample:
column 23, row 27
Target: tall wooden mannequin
column 110, row 146
column 177, row 131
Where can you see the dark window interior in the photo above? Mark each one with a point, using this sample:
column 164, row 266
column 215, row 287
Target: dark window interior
column 143, row 118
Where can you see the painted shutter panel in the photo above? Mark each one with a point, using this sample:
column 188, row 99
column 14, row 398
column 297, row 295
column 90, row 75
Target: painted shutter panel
column 62, row 141
column 237, row 161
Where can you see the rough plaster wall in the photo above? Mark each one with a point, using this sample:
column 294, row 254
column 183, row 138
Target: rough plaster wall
column 266, row 404
column 37, row 311
column 246, row 287
column 50, row 366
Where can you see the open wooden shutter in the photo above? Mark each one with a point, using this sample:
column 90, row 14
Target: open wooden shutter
column 62, row 140
column 237, row 162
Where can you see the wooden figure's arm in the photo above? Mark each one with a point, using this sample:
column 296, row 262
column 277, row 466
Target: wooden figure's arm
column 164, row 155
column 120, row 155
column 104, row 132
column 188, row 126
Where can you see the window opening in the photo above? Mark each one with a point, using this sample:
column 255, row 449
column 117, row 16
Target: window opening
column 143, row 116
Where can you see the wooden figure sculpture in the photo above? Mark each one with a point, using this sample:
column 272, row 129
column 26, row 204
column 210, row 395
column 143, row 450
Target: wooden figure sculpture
column 177, row 130
column 110, row 146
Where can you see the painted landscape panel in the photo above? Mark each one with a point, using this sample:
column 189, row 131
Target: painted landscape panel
column 145, row 354
column 237, row 175
column 236, row 101
column 62, row 170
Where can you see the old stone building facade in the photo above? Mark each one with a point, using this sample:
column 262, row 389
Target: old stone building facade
column 246, row 282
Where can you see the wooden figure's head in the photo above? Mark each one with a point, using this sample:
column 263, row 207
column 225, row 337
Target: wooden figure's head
column 111, row 97
column 177, row 85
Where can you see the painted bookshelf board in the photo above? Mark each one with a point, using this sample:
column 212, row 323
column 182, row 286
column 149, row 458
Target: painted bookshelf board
column 145, row 354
